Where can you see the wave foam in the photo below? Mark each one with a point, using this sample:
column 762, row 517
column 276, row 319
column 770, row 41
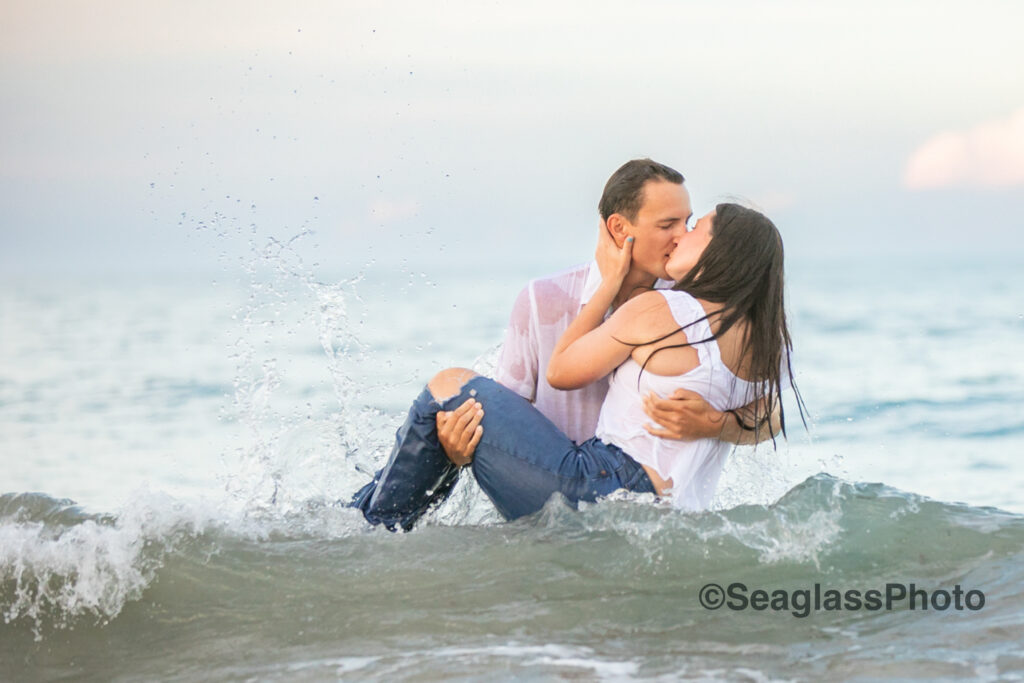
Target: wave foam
column 58, row 565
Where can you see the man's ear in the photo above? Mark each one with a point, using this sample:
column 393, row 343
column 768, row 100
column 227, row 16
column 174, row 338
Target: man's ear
column 618, row 228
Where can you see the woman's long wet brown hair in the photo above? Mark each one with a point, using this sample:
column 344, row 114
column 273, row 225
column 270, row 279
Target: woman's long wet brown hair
column 742, row 270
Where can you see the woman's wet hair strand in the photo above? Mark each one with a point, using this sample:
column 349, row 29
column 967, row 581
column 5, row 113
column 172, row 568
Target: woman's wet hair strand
column 741, row 270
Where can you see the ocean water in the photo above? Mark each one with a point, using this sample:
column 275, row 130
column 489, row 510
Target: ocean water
column 173, row 451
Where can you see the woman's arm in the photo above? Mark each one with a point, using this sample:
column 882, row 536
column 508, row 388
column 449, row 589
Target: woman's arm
column 586, row 351
column 584, row 356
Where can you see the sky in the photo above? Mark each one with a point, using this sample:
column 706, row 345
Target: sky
column 162, row 137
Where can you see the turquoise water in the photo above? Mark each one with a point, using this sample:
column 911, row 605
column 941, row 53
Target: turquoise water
column 173, row 450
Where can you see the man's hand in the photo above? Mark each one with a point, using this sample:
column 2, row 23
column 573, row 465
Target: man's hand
column 612, row 261
column 459, row 431
column 687, row 417
column 684, row 415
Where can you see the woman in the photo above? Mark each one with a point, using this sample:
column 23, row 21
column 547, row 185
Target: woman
column 721, row 331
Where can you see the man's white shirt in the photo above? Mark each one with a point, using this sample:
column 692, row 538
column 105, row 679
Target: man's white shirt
column 543, row 310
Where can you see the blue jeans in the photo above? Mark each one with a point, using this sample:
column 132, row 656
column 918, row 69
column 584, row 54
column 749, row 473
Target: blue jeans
column 521, row 461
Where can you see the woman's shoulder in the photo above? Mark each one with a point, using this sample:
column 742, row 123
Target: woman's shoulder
column 645, row 315
column 649, row 303
column 661, row 297
column 683, row 306
column 655, row 313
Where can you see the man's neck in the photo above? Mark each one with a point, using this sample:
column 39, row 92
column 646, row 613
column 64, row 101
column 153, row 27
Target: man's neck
column 635, row 282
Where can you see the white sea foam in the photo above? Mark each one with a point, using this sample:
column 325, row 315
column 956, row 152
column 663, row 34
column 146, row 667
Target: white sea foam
column 552, row 654
column 779, row 540
column 58, row 573
column 788, row 535
column 779, row 533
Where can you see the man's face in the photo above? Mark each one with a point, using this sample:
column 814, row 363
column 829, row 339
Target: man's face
column 659, row 224
column 690, row 248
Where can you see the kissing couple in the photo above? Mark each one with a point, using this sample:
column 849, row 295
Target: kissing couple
column 637, row 371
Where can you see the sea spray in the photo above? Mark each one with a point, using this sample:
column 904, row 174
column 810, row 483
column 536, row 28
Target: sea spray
column 295, row 455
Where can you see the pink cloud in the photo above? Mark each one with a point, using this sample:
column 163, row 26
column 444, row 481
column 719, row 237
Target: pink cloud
column 990, row 154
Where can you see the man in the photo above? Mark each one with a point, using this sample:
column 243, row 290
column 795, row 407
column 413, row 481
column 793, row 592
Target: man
column 649, row 201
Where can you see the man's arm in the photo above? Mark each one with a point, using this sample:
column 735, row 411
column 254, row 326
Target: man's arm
column 687, row 416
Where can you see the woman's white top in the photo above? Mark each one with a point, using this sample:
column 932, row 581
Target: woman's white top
column 693, row 466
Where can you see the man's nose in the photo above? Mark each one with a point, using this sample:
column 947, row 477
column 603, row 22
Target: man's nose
column 677, row 234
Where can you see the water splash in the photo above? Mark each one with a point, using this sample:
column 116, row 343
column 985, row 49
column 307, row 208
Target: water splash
column 297, row 455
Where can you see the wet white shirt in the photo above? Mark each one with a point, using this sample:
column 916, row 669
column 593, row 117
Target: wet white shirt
column 543, row 310
column 693, row 466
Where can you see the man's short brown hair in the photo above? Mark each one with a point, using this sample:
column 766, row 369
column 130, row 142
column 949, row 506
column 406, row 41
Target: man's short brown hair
column 623, row 193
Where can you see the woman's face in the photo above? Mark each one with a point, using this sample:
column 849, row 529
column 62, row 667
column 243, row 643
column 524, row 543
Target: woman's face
column 691, row 245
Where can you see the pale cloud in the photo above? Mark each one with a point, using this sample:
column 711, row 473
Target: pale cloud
column 990, row 154
column 385, row 211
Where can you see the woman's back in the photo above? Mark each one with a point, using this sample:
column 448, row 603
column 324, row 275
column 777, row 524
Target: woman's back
column 666, row 317
column 692, row 466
